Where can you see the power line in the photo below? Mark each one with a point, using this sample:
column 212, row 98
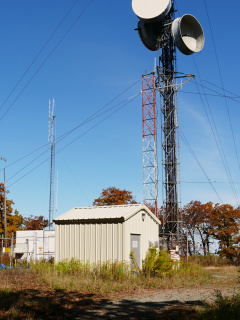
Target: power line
column 219, row 182
column 217, row 138
column 206, row 182
column 128, row 101
column 90, row 118
column 219, row 145
column 46, row 59
column 198, row 162
column 66, row 134
column 39, row 53
column 223, row 95
column 214, row 85
column 220, row 74
column 210, row 94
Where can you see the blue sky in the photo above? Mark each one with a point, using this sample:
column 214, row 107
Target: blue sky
column 100, row 57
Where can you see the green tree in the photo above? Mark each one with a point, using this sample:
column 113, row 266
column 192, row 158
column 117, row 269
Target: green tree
column 114, row 196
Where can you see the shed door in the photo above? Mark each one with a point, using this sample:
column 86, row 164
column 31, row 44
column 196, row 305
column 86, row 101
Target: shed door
column 135, row 247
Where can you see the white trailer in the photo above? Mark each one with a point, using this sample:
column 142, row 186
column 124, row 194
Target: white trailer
column 35, row 245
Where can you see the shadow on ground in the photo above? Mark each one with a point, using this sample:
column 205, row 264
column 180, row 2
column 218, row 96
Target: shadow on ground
column 59, row 304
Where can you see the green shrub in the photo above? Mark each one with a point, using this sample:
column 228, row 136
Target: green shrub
column 157, row 262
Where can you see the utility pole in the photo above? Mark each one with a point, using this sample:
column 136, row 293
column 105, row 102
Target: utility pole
column 5, row 210
column 5, row 206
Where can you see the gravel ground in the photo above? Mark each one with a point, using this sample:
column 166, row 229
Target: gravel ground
column 30, row 298
column 158, row 304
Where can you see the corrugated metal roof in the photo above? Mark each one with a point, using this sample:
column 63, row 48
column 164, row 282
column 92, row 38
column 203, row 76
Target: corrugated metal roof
column 104, row 213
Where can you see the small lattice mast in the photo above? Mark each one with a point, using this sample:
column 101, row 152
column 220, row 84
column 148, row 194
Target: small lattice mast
column 52, row 139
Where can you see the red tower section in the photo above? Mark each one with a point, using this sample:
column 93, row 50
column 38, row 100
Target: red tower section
column 150, row 179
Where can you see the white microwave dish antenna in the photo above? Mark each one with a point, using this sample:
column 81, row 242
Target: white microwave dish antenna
column 188, row 34
column 151, row 10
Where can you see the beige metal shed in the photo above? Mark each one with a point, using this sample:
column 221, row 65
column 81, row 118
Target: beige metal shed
column 107, row 233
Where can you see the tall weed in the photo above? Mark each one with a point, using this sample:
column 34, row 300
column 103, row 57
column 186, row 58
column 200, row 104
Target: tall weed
column 208, row 260
column 159, row 271
column 223, row 308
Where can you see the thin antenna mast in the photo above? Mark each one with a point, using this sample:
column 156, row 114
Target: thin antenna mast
column 52, row 139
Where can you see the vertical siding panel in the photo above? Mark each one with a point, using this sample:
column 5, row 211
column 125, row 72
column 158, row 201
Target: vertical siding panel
column 71, row 231
column 99, row 243
column 107, row 241
column 104, row 243
column 79, row 241
column 75, row 241
column 116, row 240
column 124, row 241
column 119, row 243
column 56, row 243
column 112, row 243
column 84, row 242
column 93, row 249
column 100, row 238
column 96, row 235
column 90, row 242
column 62, row 242
column 87, row 242
column 81, row 230
column 69, row 241
column 77, row 235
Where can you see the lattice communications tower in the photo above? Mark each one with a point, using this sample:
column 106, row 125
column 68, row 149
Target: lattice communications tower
column 150, row 177
column 52, row 139
column 159, row 30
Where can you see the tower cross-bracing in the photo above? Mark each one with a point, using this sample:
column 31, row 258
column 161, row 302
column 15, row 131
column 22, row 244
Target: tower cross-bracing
column 159, row 30
column 150, row 180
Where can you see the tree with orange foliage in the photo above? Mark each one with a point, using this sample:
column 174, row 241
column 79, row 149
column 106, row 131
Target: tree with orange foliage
column 14, row 219
column 196, row 221
column 225, row 226
column 35, row 223
column 114, row 196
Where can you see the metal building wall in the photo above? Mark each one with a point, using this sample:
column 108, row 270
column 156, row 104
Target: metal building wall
column 147, row 229
column 89, row 242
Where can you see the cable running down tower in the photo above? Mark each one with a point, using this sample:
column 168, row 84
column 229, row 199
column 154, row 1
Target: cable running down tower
column 159, row 30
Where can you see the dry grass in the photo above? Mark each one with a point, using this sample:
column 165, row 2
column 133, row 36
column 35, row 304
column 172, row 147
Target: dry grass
column 224, row 276
column 47, row 293
column 106, row 279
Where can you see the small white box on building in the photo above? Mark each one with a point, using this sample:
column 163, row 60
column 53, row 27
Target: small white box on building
column 105, row 233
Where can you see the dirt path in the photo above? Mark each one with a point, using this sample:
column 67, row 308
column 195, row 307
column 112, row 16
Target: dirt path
column 158, row 304
column 25, row 296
